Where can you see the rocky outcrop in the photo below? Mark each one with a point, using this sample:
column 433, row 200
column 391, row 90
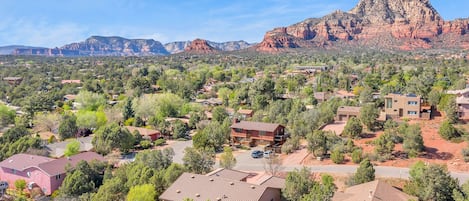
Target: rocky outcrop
column 177, row 47
column 200, row 46
column 388, row 24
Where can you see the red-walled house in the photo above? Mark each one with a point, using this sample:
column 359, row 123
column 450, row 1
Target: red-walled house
column 257, row 133
column 47, row 173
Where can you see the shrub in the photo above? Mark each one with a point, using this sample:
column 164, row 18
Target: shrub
column 447, row 131
column 337, row 156
column 357, row 156
column 465, row 154
column 160, row 142
column 145, row 144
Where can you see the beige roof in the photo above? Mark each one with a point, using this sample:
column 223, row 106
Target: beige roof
column 202, row 188
column 462, row 100
column 229, row 174
column 348, row 109
column 372, row 191
column 456, row 92
column 245, row 111
column 272, row 182
column 257, row 126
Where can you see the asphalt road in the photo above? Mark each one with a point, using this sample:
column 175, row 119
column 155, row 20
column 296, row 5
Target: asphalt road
column 246, row 163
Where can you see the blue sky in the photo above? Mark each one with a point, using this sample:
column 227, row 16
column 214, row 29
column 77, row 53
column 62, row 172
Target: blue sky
column 52, row 23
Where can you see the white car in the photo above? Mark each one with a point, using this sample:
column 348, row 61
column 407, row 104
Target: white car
column 269, row 153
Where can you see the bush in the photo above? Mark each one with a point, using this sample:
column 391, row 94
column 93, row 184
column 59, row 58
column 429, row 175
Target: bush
column 145, row 144
column 465, row 154
column 160, row 142
column 357, row 156
column 447, row 131
column 337, row 156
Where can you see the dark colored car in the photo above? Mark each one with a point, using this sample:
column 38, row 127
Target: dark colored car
column 257, row 154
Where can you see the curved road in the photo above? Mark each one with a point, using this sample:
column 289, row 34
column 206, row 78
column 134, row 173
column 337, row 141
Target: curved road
column 247, row 163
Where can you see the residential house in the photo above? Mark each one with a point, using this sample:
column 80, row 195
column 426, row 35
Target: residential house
column 226, row 185
column 13, row 80
column 209, row 102
column 257, row 133
column 372, row 191
column 404, row 106
column 321, row 96
column 70, row 97
column 146, row 133
column 57, row 149
column 345, row 94
column 245, row 113
column 462, row 100
column 47, row 173
column 70, row 82
column 344, row 113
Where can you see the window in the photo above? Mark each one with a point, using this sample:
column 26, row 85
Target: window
column 388, row 103
column 238, row 130
column 14, row 171
column 29, row 174
column 412, row 112
column 412, row 102
column 57, row 177
column 261, row 132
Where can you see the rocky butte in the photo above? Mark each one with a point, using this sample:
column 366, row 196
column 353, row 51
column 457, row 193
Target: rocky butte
column 375, row 24
column 200, row 46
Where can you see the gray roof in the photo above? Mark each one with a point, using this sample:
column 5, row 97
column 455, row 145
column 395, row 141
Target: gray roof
column 57, row 149
column 202, row 188
column 229, row 174
column 257, row 126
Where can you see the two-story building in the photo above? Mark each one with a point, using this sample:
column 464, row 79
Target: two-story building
column 257, row 133
column 404, row 106
column 462, row 100
column 346, row 112
column 47, row 173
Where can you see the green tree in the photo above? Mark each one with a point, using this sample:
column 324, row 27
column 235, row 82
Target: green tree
column 461, row 194
column 317, row 143
column 128, row 111
column 357, row 156
column 72, row 148
column 219, row 114
column 90, row 101
column 68, row 127
column 112, row 136
column 198, row 161
column 227, row 159
column 432, row 182
column 297, row 184
column 337, row 156
column 213, row 136
column 451, row 110
column 353, row 128
column 47, row 122
column 384, row 145
column 434, row 97
column 413, row 141
column 365, row 173
column 173, row 172
column 7, row 115
column 324, row 191
column 145, row 192
column 20, row 185
column 76, row 183
column 368, row 115
column 180, row 129
column 447, row 131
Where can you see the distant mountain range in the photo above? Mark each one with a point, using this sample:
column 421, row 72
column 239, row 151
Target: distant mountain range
column 118, row 46
column 402, row 25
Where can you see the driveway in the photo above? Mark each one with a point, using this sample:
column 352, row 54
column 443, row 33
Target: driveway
column 178, row 147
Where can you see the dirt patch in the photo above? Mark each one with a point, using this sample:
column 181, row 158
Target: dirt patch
column 437, row 150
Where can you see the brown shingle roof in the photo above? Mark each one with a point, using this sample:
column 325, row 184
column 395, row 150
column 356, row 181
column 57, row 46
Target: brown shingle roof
column 142, row 131
column 245, row 111
column 258, row 126
column 229, row 174
column 372, row 191
column 57, row 166
column 273, row 182
column 202, row 188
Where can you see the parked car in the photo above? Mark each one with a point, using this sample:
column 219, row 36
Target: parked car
column 257, row 154
column 269, row 153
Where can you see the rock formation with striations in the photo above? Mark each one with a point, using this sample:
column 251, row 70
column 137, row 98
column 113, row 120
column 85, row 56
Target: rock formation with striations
column 382, row 24
column 200, row 46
